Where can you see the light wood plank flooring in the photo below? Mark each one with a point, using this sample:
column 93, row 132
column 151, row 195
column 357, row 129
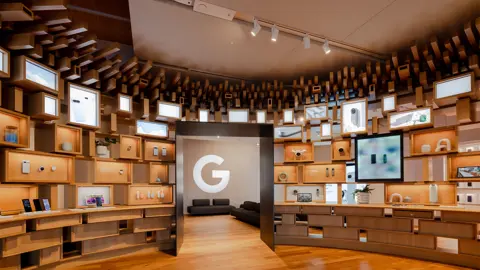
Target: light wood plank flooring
column 221, row 242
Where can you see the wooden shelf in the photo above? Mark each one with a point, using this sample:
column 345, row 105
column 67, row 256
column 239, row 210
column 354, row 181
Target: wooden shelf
column 23, row 77
column 305, row 150
column 419, row 193
column 462, row 160
column 15, row 12
column 112, row 172
column 341, row 150
column 5, row 58
column 75, row 196
column 11, row 196
column 324, row 173
column 58, row 138
column 44, row 167
column 22, row 122
column 138, row 194
column 162, row 147
column 158, row 171
column 40, row 106
column 130, row 147
column 432, row 137
column 290, row 170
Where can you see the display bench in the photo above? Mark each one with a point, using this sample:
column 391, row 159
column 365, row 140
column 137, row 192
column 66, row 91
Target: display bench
column 436, row 233
column 56, row 237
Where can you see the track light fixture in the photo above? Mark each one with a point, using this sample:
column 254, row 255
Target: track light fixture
column 256, row 27
column 274, row 33
column 306, row 42
column 326, row 48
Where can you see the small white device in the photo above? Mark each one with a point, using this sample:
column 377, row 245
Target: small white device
column 54, row 168
column 25, row 166
column 155, row 151
column 164, row 151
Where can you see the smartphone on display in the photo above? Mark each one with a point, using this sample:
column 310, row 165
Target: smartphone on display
column 46, row 205
column 37, row 204
column 26, row 205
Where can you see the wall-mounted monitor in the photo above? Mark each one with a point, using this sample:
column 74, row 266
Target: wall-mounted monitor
column 168, row 111
column 125, row 104
column 152, row 129
column 34, row 76
column 83, row 106
column 462, row 85
column 288, row 116
column 238, row 115
column 316, row 112
column 411, row 119
column 261, row 116
column 4, row 63
column 379, row 158
column 354, row 117
column 203, row 115
column 389, row 103
column 326, row 128
column 288, row 133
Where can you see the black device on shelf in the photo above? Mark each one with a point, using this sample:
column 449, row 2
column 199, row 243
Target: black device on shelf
column 38, row 205
column 379, row 158
column 26, row 205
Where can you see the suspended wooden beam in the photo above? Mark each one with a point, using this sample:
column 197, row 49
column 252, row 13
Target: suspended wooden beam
column 63, row 64
column 115, row 47
column 90, row 77
column 83, row 61
column 37, row 29
column 58, row 44
column 146, row 67
column 103, row 65
column 36, row 52
column 21, row 41
column 85, row 41
column 44, row 39
column 75, row 29
column 43, row 5
column 132, row 62
column 15, row 12
column 58, row 18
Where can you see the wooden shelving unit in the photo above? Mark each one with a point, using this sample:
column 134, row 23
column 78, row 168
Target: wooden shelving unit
column 455, row 161
column 290, row 172
column 58, row 138
column 21, row 77
column 158, row 173
column 433, row 138
column 21, row 122
column 299, row 152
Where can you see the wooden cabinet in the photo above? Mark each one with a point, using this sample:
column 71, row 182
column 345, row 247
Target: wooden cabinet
column 12, row 228
column 341, row 233
column 159, row 151
column 325, row 220
column 341, row 150
column 402, row 239
column 462, row 160
column 469, row 247
column 83, row 195
column 285, row 174
column 151, row 224
column 56, row 222
column 50, row 255
column 419, row 193
column 21, row 122
column 44, row 106
column 359, row 211
column 143, row 194
column 112, row 172
column 161, row 211
column 104, row 216
column 460, row 216
column 286, row 209
column 130, row 147
column 34, row 76
column 380, row 223
column 11, row 196
column 94, row 230
column 292, row 230
column 59, row 138
column 413, row 214
column 318, row 210
column 31, row 241
column 448, row 229
column 299, row 152
column 324, row 173
column 440, row 141
column 158, row 173
column 113, row 242
column 44, row 168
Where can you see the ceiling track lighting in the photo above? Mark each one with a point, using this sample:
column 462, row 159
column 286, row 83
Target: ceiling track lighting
column 306, row 42
column 275, row 32
column 326, row 48
column 256, row 27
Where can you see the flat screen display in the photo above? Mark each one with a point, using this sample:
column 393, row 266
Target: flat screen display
column 379, row 158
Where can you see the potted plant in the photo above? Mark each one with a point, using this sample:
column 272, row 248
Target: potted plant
column 363, row 195
column 102, row 146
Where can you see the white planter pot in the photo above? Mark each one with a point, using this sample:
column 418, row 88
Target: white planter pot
column 363, row 197
column 102, row 151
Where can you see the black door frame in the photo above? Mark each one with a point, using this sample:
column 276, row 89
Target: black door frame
column 265, row 134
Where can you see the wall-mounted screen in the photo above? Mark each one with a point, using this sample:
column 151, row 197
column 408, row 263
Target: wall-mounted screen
column 152, row 129
column 417, row 118
column 50, row 105
column 458, row 85
column 84, row 105
column 40, row 75
column 261, row 117
column 288, row 133
column 354, row 116
column 379, row 158
column 288, row 116
column 202, row 115
column 169, row 110
column 326, row 130
column 316, row 112
column 238, row 115
column 315, row 134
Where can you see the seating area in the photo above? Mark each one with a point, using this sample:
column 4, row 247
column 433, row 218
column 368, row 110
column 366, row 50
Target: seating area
column 203, row 207
column 248, row 212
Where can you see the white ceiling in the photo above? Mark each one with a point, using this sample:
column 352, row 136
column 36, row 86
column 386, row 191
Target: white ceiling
column 171, row 33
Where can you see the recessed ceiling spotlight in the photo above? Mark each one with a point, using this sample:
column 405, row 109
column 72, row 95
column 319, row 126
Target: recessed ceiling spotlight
column 274, row 33
column 256, row 27
column 306, row 42
column 326, row 48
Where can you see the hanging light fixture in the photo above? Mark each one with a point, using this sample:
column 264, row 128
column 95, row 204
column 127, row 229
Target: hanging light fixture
column 306, row 42
column 275, row 32
column 256, row 27
column 326, row 48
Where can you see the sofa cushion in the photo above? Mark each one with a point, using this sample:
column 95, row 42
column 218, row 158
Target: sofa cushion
column 201, row 202
column 247, row 205
column 211, row 210
column 257, row 207
column 221, row 202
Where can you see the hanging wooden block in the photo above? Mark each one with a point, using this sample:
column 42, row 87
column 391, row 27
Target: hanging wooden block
column 339, row 76
column 374, row 125
column 464, row 113
column 391, row 86
column 435, row 47
column 404, row 72
column 446, row 58
column 90, row 77
column 252, row 105
column 352, row 72
column 269, row 104
column 145, row 108
column 371, row 91
column 13, row 99
column 423, row 79
column 378, row 69
column 334, row 113
column 414, row 49
column 279, row 105
column 395, row 60
column 419, row 96
column 431, row 63
column 462, row 53
column 345, row 72
column 468, row 29
column 369, row 68
column 218, row 116
column 332, row 78
column 113, row 123
column 73, row 74
column 316, row 98
column 454, row 68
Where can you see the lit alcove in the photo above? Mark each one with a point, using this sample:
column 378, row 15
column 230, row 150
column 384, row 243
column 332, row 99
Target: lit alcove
column 44, row 106
column 124, row 105
column 238, row 115
column 168, row 111
column 151, row 129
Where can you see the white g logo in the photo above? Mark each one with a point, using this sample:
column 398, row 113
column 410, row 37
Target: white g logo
column 197, row 174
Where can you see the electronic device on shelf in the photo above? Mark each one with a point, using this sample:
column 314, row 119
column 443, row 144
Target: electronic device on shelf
column 26, row 205
column 379, row 158
column 38, row 205
column 304, row 197
column 46, row 205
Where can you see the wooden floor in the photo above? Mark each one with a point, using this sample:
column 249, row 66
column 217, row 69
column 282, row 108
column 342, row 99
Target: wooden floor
column 222, row 242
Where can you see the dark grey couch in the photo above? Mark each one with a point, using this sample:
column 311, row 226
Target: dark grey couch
column 203, row 207
column 248, row 212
